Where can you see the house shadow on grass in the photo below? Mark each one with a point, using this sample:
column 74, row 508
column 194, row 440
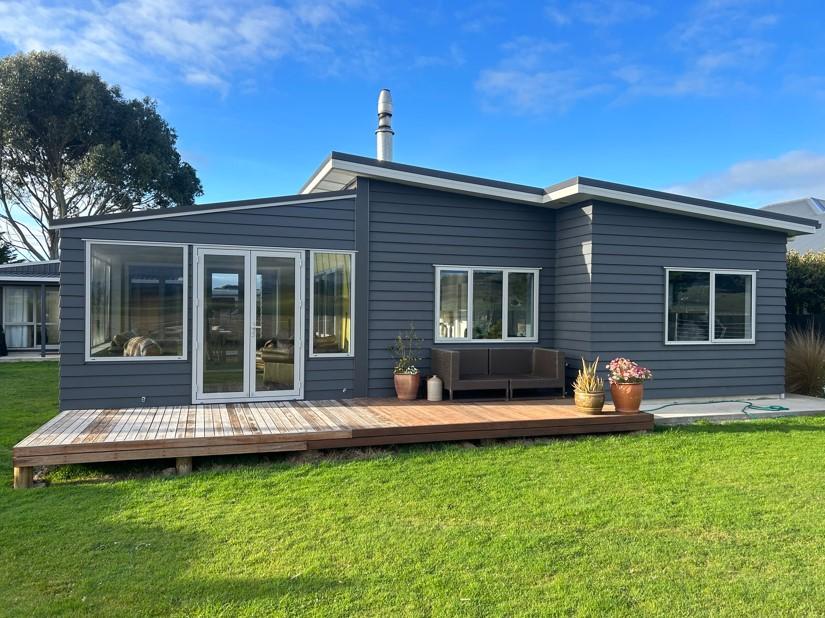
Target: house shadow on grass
column 163, row 549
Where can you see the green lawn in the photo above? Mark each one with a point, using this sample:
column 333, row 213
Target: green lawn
column 725, row 520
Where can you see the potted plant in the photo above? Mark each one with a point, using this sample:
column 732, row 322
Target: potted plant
column 407, row 352
column 627, row 384
column 588, row 389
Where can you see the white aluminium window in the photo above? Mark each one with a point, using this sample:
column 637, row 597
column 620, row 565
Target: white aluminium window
column 705, row 306
column 486, row 304
column 332, row 303
column 136, row 301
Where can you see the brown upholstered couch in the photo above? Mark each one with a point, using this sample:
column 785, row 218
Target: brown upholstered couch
column 508, row 369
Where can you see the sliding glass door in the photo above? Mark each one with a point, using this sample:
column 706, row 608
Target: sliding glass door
column 248, row 325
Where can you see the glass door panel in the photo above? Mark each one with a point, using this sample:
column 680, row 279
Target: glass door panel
column 275, row 322
column 224, row 327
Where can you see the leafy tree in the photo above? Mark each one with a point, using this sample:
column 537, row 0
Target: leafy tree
column 71, row 145
column 7, row 254
column 806, row 283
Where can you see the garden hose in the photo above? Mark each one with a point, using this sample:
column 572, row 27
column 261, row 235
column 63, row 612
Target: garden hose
column 749, row 405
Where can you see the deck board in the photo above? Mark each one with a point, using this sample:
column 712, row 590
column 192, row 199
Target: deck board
column 260, row 427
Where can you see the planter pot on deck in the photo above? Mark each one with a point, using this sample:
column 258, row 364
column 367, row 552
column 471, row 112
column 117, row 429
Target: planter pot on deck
column 589, row 403
column 627, row 398
column 406, row 385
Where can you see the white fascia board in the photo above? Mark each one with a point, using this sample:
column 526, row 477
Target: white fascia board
column 7, row 279
column 657, row 203
column 22, row 264
column 412, row 178
column 202, row 211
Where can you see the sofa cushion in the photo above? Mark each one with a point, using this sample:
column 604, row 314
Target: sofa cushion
column 479, row 382
column 511, row 361
column 474, row 361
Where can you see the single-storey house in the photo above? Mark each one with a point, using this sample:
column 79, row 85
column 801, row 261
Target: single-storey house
column 29, row 306
column 300, row 296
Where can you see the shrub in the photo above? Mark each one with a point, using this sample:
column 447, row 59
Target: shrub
column 806, row 283
column 805, row 362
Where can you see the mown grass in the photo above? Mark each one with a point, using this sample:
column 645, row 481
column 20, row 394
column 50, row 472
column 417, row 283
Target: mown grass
column 726, row 520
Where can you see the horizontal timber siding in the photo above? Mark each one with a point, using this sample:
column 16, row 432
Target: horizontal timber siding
column 413, row 229
column 573, row 283
column 631, row 248
column 312, row 225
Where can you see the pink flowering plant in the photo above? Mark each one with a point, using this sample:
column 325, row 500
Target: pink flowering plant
column 625, row 371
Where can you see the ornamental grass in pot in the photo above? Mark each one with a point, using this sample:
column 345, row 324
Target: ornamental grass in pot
column 406, row 349
column 627, row 384
column 588, row 389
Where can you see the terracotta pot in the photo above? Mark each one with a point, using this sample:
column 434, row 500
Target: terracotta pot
column 406, row 385
column 589, row 403
column 627, row 398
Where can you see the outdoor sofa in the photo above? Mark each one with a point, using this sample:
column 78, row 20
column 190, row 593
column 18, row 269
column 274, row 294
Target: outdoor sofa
column 507, row 369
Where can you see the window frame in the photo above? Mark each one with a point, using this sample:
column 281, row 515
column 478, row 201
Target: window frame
column 712, row 272
column 311, row 285
column 505, row 293
column 88, row 311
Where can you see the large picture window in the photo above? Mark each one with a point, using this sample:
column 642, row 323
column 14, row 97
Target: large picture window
column 486, row 304
column 710, row 306
column 332, row 304
column 136, row 299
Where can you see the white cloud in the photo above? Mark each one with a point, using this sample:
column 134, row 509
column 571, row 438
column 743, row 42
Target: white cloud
column 795, row 174
column 598, row 13
column 196, row 41
column 533, row 78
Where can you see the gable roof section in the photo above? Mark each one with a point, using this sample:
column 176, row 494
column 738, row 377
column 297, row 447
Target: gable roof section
column 200, row 209
column 340, row 169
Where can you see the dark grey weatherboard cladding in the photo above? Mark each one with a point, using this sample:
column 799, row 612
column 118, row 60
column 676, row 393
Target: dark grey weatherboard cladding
column 412, row 229
column 574, row 240
column 117, row 384
column 631, row 248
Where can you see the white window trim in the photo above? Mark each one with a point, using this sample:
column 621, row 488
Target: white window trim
column 87, row 310
column 351, row 352
column 712, row 272
column 505, row 304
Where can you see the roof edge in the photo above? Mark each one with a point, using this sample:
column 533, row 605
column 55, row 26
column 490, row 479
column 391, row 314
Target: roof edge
column 197, row 209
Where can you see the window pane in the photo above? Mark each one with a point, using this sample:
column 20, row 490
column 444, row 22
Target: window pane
column 732, row 316
column 487, row 304
column 452, row 319
column 136, row 301
column 332, row 300
column 224, row 345
column 19, row 304
column 275, row 324
column 688, row 306
column 520, row 318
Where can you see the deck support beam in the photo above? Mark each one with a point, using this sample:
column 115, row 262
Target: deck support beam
column 23, row 477
column 183, row 465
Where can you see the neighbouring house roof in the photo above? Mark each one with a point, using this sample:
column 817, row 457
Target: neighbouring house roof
column 39, row 272
column 339, row 170
column 804, row 207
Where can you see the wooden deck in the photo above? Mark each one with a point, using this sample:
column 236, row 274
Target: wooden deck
column 82, row 436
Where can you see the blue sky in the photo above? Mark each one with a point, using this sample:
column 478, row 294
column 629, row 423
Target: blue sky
column 723, row 99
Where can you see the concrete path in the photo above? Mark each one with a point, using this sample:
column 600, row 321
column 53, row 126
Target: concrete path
column 692, row 410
